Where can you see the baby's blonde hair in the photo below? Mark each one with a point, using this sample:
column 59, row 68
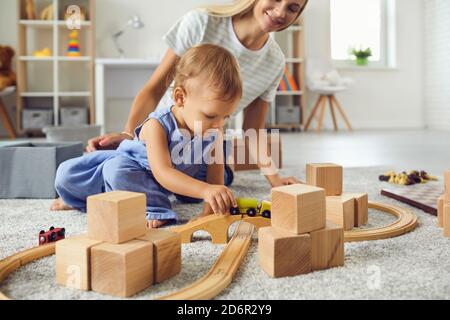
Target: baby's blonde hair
column 218, row 64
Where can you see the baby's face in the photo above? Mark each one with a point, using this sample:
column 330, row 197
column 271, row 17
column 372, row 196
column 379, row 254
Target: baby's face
column 202, row 108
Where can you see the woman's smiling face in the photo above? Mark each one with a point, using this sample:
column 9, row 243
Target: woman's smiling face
column 275, row 15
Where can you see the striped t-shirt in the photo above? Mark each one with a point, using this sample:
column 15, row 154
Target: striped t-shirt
column 261, row 70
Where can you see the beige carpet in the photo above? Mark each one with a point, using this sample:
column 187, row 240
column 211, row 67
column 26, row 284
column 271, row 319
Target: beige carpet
column 413, row 266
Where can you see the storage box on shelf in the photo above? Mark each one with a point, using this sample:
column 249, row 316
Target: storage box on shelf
column 287, row 110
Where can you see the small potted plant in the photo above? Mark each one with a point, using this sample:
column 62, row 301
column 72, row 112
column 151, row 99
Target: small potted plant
column 362, row 56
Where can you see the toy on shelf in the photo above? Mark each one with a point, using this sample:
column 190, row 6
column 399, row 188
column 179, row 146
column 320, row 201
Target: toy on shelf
column 30, row 10
column 407, row 179
column 7, row 75
column 81, row 14
column 52, row 235
column 47, row 13
column 73, row 49
column 288, row 82
column 46, row 52
column 252, row 207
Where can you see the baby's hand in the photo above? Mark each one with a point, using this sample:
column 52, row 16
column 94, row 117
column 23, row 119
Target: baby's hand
column 220, row 198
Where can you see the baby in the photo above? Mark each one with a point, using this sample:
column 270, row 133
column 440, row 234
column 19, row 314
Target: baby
column 170, row 146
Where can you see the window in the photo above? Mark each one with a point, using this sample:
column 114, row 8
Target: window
column 363, row 24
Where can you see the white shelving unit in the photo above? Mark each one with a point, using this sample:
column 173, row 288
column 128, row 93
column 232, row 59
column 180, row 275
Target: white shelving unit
column 291, row 41
column 57, row 67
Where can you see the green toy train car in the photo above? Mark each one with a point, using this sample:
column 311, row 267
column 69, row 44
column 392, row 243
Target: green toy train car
column 252, row 207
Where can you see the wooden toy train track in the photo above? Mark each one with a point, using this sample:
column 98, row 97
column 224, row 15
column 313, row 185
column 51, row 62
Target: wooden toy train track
column 220, row 275
column 222, row 272
column 406, row 222
column 214, row 282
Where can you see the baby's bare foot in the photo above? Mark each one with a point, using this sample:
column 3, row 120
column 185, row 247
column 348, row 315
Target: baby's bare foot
column 59, row 205
column 155, row 224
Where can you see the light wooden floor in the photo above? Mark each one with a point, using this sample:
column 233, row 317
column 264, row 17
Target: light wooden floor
column 400, row 149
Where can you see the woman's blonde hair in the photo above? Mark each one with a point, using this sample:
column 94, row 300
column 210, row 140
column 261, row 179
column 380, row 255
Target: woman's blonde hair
column 217, row 63
column 238, row 7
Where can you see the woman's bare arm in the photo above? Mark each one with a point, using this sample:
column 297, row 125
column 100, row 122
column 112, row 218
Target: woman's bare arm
column 145, row 102
column 255, row 118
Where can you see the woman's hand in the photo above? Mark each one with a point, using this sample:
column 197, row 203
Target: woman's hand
column 277, row 181
column 106, row 142
column 220, row 198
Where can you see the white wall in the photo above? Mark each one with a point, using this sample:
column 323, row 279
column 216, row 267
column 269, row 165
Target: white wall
column 437, row 63
column 157, row 15
column 380, row 99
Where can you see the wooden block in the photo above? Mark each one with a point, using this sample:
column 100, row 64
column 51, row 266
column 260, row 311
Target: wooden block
column 298, row 208
column 447, row 185
column 117, row 216
column 73, row 258
column 283, row 254
column 361, row 208
column 166, row 253
column 327, row 247
column 325, row 175
column 447, row 220
column 440, row 214
column 122, row 270
column 239, row 159
column 341, row 210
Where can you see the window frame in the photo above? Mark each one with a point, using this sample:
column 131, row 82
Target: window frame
column 387, row 40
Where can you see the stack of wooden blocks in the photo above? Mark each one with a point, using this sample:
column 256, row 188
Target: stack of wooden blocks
column 300, row 239
column 119, row 256
column 444, row 206
column 348, row 210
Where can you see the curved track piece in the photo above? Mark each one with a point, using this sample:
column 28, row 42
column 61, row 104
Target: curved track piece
column 222, row 272
column 406, row 222
column 217, row 226
column 14, row 262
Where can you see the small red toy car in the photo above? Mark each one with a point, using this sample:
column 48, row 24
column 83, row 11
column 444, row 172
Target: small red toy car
column 52, row 235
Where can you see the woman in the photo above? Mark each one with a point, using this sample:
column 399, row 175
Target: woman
column 243, row 28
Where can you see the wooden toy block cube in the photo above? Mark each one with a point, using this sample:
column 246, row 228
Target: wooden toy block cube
column 327, row 247
column 282, row 254
column 440, row 211
column 341, row 210
column 73, row 258
column 361, row 208
column 117, row 216
column 325, row 175
column 298, row 208
column 240, row 160
column 447, row 185
column 166, row 253
column 447, row 220
column 122, row 270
